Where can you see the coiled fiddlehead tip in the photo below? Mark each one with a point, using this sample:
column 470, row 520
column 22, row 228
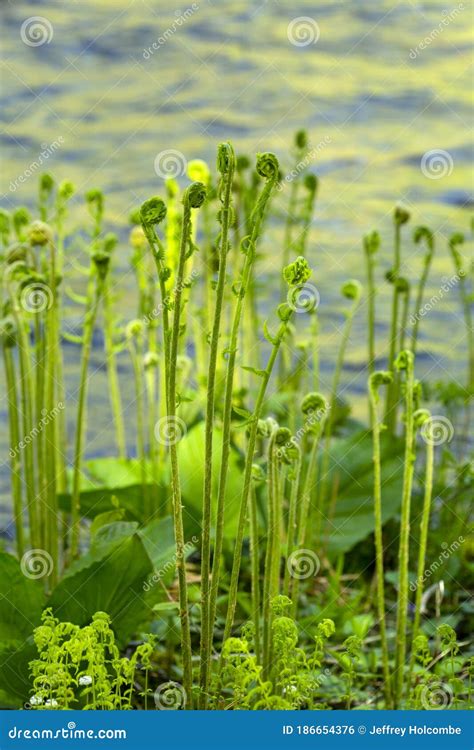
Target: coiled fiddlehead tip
column 311, row 182
column 456, row 239
column 18, row 252
column 402, row 285
column 378, row 379
column 314, row 403
column 66, row 190
column 95, row 198
column 352, row 289
column 101, row 260
column 8, row 331
column 420, row 417
column 298, row 272
column 267, row 166
column 40, row 233
column 401, row 215
column 46, row 182
column 134, row 329
column 21, row 217
column 372, row 243
column 284, row 312
column 301, row 139
column 405, row 360
column 282, row 436
column 225, row 158
column 195, row 195
column 424, row 234
column 152, row 211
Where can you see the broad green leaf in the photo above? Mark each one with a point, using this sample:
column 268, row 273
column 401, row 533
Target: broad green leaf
column 21, row 601
column 103, row 519
column 191, row 463
column 351, row 476
column 15, row 682
column 166, row 608
column 158, row 540
column 106, row 479
column 110, row 577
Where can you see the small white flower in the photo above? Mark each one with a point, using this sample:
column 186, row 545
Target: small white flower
column 36, row 700
column 85, row 680
column 53, row 703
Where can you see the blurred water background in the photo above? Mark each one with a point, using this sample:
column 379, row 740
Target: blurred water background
column 380, row 86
